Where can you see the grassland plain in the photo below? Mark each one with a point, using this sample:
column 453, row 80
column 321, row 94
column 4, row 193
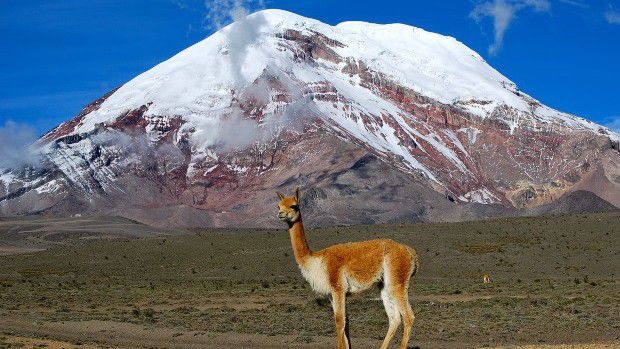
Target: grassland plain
column 556, row 284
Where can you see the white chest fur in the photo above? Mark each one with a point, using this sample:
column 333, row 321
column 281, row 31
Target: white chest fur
column 315, row 272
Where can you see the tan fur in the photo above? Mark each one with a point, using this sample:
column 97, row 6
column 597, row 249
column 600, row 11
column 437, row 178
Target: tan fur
column 354, row 267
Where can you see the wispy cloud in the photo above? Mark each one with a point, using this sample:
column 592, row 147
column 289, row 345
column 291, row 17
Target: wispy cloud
column 612, row 16
column 576, row 3
column 182, row 4
column 17, row 146
column 215, row 14
column 502, row 12
column 221, row 12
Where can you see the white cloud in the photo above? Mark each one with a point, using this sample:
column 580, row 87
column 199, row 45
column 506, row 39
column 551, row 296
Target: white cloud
column 221, row 12
column 140, row 147
column 612, row 16
column 215, row 14
column 180, row 4
column 233, row 129
column 538, row 5
column 503, row 12
column 577, row 3
column 17, row 146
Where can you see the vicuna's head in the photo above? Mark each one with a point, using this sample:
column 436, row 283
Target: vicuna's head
column 288, row 207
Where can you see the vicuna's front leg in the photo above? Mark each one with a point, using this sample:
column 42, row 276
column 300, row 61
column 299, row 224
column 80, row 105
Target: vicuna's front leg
column 338, row 303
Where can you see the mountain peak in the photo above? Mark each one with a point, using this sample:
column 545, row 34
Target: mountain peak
column 434, row 65
column 276, row 98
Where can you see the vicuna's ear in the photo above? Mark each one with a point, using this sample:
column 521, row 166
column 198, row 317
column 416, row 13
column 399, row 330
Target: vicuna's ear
column 280, row 196
column 297, row 194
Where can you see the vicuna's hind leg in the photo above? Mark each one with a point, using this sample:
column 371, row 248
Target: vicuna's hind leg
column 393, row 316
column 407, row 313
column 398, row 272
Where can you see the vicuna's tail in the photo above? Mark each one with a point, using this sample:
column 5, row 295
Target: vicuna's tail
column 416, row 261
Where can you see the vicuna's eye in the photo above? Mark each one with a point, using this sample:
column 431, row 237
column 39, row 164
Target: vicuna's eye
column 295, row 207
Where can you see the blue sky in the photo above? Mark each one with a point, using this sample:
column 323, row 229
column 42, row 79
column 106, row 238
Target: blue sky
column 59, row 55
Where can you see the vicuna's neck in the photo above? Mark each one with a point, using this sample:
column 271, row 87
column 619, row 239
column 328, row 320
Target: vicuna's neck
column 299, row 242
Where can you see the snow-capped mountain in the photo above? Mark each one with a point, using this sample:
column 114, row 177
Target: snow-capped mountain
column 377, row 123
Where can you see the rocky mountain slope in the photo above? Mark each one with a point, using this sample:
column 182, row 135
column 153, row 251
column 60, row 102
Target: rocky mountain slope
column 377, row 123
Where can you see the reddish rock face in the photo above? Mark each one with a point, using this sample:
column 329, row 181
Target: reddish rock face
column 311, row 47
column 416, row 159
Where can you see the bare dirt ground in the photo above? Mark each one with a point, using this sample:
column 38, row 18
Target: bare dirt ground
column 110, row 334
column 555, row 285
